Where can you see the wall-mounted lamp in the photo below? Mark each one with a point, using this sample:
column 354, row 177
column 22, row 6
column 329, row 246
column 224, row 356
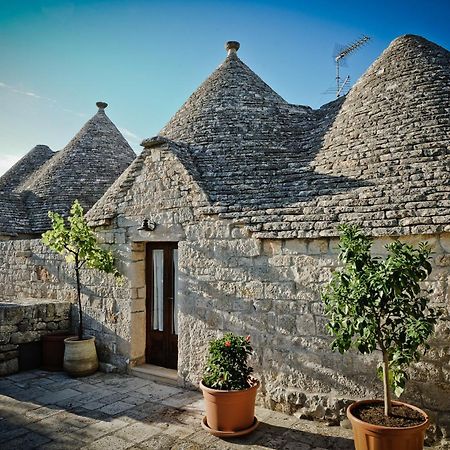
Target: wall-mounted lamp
column 147, row 225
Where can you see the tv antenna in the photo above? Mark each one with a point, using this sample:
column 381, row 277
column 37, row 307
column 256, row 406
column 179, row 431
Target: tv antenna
column 340, row 58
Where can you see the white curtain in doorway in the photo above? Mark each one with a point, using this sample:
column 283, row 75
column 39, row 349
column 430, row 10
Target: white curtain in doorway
column 175, row 291
column 158, row 290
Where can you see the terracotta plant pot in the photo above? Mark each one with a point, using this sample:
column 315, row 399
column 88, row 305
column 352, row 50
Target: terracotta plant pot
column 230, row 413
column 80, row 357
column 376, row 437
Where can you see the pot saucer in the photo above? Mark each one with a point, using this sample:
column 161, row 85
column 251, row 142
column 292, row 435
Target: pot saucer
column 230, row 434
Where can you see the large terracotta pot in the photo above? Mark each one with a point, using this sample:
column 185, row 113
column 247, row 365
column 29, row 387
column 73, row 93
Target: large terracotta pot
column 376, row 437
column 80, row 357
column 230, row 413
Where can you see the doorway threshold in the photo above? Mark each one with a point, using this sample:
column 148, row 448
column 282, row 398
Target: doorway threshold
column 156, row 373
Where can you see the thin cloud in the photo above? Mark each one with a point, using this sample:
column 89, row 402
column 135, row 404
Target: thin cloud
column 27, row 93
column 32, row 94
column 130, row 135
column 38, row 97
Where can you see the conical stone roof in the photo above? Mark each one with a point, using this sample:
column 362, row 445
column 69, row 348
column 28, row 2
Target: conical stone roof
column 25, row 167
column 83, row 170
column 393, row 131
column 241, row 132
column 396, row 111
column 233, row 105
column 14, row 218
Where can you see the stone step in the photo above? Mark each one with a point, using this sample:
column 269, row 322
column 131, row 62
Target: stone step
column 155, row 373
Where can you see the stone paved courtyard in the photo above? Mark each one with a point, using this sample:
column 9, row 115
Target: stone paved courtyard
column 46, row 410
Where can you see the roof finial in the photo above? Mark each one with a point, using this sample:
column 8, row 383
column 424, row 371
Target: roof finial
column 101, row 105
column 232, row 47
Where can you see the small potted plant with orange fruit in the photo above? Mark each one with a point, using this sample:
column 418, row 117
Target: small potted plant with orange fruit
column 228, row 388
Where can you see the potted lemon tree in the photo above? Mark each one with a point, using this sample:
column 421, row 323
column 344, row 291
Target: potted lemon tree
column 228, row 388
column 77, row 242
column 377, row 305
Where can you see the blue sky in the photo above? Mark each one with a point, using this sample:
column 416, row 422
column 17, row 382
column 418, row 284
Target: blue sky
column 57, row 58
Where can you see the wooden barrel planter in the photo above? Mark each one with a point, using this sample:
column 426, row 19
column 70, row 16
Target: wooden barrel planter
column 53, row 351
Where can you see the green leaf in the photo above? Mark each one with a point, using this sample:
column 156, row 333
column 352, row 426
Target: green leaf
column 398, row 391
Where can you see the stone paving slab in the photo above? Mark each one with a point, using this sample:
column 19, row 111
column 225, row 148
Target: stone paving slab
column 47, row 410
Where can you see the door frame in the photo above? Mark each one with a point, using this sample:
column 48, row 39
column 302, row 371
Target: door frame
column 166, row 340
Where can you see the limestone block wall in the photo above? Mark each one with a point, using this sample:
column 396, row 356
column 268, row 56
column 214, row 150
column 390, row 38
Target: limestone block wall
column 31, row 272
column 28, row 322
column 270, row 290
column 231, row 281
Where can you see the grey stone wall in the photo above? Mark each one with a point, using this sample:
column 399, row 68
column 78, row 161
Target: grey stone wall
column 28, row 322
column 31, row 272
column 270, row 290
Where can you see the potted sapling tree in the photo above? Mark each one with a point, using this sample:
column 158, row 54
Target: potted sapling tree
column 77, row 242
column 228, row 388
column 377, row 305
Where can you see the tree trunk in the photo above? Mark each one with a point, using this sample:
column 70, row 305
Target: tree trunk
column 387, row 390
column 80, row 323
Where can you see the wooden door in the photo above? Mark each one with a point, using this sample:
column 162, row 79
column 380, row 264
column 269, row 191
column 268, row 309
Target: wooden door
column 162, row 304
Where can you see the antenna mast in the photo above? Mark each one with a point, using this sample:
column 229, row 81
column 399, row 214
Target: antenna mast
column 341, row 55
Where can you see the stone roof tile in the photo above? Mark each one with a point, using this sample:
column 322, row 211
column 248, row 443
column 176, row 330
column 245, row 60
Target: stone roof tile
column 13, row 214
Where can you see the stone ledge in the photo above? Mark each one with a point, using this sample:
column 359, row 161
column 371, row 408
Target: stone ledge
column 155, row 373
column 27, row 320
